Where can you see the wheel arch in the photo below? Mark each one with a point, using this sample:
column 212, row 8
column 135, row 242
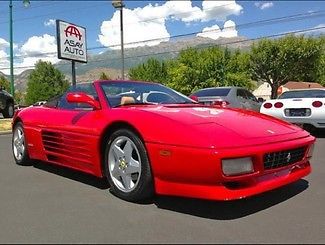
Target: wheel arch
column 108, row 131
column 10, row 100
column 17, row 120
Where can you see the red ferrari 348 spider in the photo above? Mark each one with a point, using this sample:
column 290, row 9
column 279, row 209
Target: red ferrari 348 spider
column 148, row 139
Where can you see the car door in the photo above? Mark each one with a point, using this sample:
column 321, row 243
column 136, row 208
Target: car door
column 2, row 100
column 252, row 102
column 242, row 99
column 68, row 131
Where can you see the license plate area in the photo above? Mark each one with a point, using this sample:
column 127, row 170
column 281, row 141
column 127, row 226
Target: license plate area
column 297, row 112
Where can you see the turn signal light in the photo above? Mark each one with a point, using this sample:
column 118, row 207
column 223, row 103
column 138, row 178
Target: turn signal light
column 317, row 103
column 222, row 103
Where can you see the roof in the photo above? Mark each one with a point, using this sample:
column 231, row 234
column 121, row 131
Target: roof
column 301, row 85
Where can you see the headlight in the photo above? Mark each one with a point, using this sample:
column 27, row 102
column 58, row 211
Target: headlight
column 237, row 166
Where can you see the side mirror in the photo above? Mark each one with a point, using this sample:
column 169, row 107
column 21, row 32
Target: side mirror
column 80, row 97
column 261, row 100
column 195, row 98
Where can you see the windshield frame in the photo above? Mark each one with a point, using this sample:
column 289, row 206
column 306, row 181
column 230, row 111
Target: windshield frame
column 310, row 91
column 183, row 98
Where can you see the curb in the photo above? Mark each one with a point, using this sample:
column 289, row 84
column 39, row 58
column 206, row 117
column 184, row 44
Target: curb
column 5, row 132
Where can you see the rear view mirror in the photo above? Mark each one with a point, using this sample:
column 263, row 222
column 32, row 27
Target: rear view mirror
column 81, row 97
column 261, row 100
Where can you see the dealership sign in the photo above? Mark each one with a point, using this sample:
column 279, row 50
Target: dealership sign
column 71, row 40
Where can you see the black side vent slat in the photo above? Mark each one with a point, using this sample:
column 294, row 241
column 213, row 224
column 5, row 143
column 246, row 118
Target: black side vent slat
column 283, row 158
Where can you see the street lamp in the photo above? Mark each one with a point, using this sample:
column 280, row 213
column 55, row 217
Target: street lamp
column 118, row 4
column 12, row 86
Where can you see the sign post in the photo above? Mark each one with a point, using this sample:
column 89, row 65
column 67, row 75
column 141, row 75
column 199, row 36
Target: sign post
column 71, row 43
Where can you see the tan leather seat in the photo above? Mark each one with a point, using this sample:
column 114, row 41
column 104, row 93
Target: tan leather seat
column 127, row 100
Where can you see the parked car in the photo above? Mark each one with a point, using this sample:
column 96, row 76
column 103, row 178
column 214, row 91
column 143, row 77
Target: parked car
column 234, row 97
column 148, row 139
column 6, row 104
column 39, row 103
column 305, row 107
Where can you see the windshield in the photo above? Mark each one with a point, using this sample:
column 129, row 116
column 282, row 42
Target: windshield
column 124, row 93
column 312, row 93
column 212, row 92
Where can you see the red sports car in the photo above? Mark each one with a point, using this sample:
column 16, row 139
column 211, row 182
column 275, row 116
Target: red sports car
column 148, row 139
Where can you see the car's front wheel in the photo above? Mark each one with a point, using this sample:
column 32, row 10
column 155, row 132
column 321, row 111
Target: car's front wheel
column 19, row 145
column 127, row 166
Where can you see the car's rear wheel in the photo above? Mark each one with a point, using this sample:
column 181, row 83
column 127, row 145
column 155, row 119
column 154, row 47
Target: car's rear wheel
column 8, row 112
column 127, row 166
column 19, row 145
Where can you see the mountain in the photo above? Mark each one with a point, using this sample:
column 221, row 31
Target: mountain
column 110, row 60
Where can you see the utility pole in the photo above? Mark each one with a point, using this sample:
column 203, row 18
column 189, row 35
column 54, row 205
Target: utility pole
column 118, row 4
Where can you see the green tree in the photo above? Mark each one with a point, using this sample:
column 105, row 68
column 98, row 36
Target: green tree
column 44, row 82
column 104, row 76
column 238, row 70
column 152, row 70
column 289, row 58
column 321, row 62
column 19, row 97
column 212, row 67
column 195, row 69
column 4, row 83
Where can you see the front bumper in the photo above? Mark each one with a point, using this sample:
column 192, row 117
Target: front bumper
column 225, row 192
column 197, row 173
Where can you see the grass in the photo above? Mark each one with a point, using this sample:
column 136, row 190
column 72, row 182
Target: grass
column 5, row 124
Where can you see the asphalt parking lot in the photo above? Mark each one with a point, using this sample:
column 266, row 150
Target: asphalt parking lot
column 49, row 204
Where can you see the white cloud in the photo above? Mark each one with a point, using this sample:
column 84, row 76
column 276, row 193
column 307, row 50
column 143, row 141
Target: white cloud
column 149, row 22
column 264, row 5
column 4, row 61
column 139, row 31
column 37, row 48
column 219, row 10
column 214, row 32
column 3, row 43
column 34, row 49
column 50, row 22
column 37, row 45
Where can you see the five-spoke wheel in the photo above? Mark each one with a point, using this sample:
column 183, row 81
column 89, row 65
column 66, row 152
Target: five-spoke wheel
column 19, row 145
column 127, row 166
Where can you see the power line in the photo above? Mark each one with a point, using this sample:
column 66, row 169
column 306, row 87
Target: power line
column 240, row 26
column 147, row 20
column 207, row 46
column 57, row 12
column 18, row 9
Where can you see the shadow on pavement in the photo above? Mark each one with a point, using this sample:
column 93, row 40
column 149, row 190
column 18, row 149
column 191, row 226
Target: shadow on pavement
column 73, row 175
column 219, row 210
column 229, row 210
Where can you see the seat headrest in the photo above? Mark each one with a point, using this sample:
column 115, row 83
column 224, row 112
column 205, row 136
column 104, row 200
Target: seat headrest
column 127, row 100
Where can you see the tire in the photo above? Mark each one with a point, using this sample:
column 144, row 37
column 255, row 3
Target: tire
column 19, row 145
column 127, row 167
column 8, row 112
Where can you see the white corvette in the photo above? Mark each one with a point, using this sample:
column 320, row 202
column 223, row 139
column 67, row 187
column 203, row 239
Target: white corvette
column 302, row 107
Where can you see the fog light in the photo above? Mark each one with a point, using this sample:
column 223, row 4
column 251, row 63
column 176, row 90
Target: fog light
column 237, row 166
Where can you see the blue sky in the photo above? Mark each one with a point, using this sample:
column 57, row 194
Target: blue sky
column 34, row 32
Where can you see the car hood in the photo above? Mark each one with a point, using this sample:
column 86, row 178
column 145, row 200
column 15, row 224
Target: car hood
column 247, row 127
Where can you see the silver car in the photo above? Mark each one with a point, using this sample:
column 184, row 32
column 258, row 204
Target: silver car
column 234, row 97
